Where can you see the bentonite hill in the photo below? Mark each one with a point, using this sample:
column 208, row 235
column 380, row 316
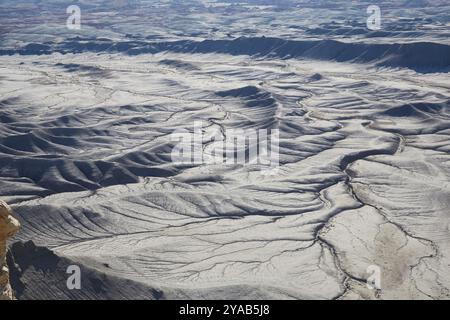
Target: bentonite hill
column 356, row 205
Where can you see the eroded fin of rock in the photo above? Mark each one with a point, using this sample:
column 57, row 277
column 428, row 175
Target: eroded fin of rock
column 8, row 228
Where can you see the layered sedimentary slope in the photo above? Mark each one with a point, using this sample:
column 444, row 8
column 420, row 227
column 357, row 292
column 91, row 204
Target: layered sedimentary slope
column 8, row 227
column 420, row 56
column 37, row 272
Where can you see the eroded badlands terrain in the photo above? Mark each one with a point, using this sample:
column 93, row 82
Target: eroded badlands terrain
column 364, row 180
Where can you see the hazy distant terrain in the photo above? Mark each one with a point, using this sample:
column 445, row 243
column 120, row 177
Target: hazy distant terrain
column 86, row 124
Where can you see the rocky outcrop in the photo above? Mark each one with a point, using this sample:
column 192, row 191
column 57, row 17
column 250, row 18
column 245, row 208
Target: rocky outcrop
column 8, row 227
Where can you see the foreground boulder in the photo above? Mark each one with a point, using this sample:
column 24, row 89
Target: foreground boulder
column 8, row 227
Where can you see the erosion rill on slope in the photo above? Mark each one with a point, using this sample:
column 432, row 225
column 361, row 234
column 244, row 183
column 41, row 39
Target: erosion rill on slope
column 8, row 227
